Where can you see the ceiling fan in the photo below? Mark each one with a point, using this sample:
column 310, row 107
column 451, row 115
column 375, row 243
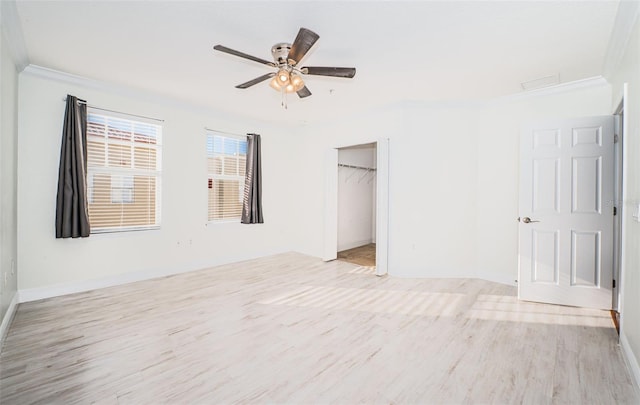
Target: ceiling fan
column 287, row 75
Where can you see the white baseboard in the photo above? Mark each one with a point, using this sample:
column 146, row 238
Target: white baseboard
column 8, row 317
column 56, row 290
column 498, row 278
column 630, row 359
column 351, row 245
column 455, row 273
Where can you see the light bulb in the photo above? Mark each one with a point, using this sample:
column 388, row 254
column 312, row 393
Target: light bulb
column 274, row 84
column 297, row 82
column 290, row 88
column 283, row 77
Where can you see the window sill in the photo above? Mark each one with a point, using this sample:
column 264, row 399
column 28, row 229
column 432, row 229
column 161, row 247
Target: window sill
column 223, row 221
column 124, row 230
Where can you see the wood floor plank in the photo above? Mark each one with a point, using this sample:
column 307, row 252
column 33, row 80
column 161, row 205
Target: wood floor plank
column 362, row 255
column 293, row 329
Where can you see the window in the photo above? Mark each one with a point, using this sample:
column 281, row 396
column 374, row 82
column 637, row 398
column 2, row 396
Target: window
column 123, row 174
column 226, row 163
column 122, row 190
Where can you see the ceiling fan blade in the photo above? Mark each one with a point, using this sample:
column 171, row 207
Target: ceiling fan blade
column 304, row 92
column 301, row 45
column 255, row 81
column 242, row 55
column 329, row 71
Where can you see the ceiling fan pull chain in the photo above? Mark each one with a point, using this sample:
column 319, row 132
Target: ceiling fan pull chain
column 284, row 98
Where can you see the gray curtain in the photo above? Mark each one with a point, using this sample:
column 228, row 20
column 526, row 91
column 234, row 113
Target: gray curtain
column 252, row 204
column 72, row 217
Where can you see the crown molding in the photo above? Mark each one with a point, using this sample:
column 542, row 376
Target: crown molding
column 576, row 85
column 588, row 83
column 12, row 30
column 141, row 95
column 626, row 18
column 57, row 75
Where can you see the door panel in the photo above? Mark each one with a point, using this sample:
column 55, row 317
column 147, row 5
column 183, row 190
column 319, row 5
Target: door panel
column 566, row 191
column 585, row 258
column 545, row 256
column 586, row 192
column 546, row 185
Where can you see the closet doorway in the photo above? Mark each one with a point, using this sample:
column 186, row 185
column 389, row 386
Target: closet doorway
column 357, row 205
column 360, row 226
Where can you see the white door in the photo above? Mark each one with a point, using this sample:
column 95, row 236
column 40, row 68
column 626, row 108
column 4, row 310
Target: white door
column 566, row 212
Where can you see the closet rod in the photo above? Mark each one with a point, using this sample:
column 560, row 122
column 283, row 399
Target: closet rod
column 113, row 111
column 356, row 167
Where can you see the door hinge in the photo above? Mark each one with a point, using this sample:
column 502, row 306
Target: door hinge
column 615, row 138
column 615, row 211
column 614, row 283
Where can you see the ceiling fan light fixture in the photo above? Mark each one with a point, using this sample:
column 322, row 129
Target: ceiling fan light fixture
column 282, row 77
column 286, row 58
column 296, row 82
column 275, row 84
column 293, row 83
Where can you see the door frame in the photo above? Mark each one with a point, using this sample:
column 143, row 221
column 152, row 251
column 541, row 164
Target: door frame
column 330, row 242
column 622, row 107
column 618, row 203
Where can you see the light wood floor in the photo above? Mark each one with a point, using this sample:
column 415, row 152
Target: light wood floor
column 362, row 255
column 291, row 329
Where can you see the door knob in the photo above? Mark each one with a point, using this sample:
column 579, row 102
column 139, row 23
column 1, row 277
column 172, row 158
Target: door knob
column 528, row 220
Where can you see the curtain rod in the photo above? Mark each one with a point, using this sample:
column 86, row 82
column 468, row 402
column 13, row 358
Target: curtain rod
column 113, row 111
column 224, row 132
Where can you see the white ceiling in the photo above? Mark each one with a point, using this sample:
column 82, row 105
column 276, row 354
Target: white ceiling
column 417, row 50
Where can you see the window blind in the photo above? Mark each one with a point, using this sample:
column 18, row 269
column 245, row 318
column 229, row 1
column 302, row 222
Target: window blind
column 226, row 164
column 123, row 173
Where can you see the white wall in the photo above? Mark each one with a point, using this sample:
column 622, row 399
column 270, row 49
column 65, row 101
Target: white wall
column 185, row 240
column 628, row 71
column 453, row 178
column 310, row 158
column 497, row 169
column 453, row 186
column 8, row 180
column 356, row 196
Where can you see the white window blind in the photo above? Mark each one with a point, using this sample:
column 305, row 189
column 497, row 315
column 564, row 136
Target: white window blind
column 226, row 164
column 123, row 173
